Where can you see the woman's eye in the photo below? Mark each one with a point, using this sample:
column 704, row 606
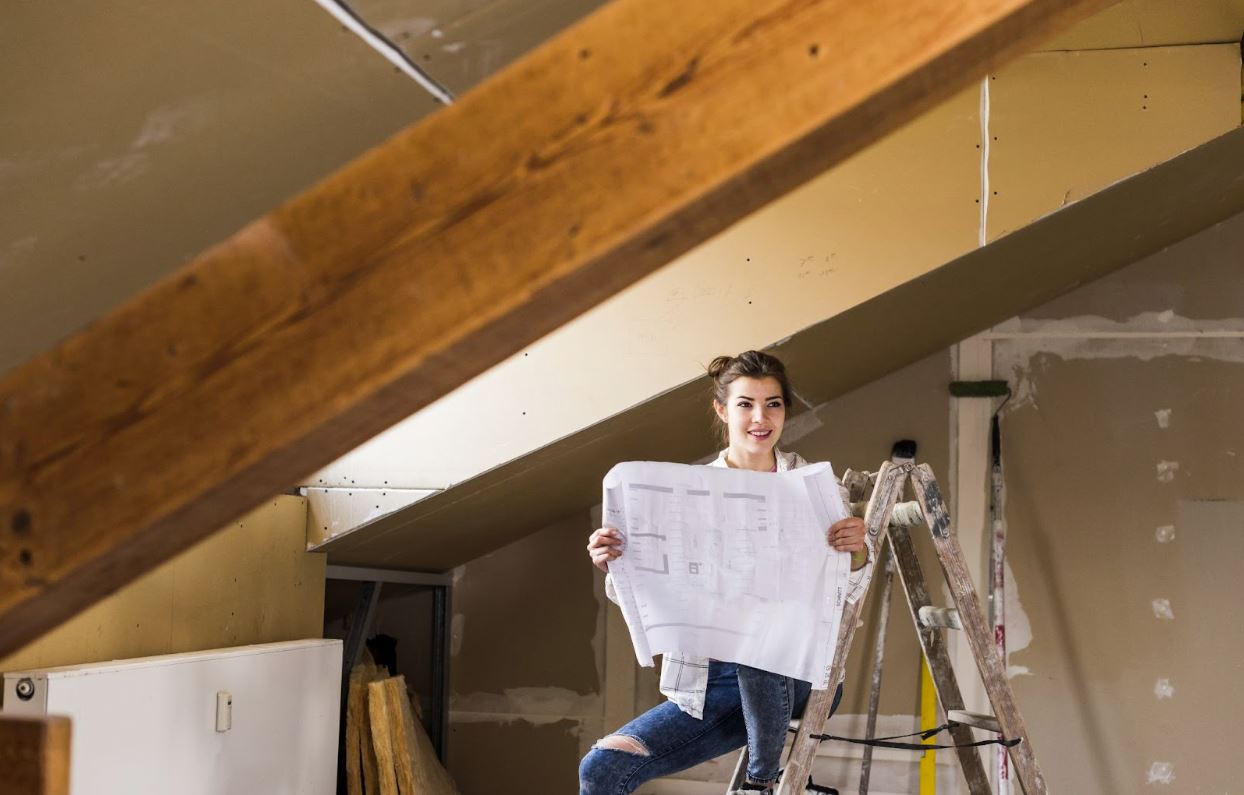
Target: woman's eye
column 777, row 404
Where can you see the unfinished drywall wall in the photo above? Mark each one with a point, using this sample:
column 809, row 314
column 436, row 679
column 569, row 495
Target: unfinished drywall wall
column 856, row 429
column 528, row 667
column 1123, row 465
column 253, row 582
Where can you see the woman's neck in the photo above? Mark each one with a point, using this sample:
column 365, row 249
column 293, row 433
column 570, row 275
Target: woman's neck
column 761, row 462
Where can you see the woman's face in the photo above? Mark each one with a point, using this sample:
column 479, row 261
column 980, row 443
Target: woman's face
column 754, row 413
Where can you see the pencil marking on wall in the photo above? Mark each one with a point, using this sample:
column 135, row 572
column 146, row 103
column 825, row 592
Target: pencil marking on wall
column 1165, row 534
column 1162, row 609
column 1161, row 773
column 1163, row 688
column 1167, row 470
column 1163, row 417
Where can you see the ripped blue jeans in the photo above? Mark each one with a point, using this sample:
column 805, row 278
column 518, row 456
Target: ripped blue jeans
column 743, row 706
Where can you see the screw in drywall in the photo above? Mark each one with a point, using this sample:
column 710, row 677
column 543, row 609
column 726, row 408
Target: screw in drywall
column 21, row 522
column 25, row 557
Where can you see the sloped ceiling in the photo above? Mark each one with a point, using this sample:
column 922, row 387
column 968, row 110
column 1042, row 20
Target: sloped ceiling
column 1085, row 240
column 134, row 134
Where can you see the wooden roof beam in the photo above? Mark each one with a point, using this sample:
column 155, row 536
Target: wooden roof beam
column 602, row 155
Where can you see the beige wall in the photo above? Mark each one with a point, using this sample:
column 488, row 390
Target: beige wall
column 253, row 582
column 1125, row 507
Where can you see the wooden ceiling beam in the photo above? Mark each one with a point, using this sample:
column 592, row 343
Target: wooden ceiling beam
column 34, row 754
column 602, row 155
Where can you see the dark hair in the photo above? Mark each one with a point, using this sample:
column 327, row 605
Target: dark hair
column 751, row 364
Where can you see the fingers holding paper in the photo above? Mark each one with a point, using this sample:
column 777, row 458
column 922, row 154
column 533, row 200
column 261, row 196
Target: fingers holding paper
column 603, row 546
column 847, row 535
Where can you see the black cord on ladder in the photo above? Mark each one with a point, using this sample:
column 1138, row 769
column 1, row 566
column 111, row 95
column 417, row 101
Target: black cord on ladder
column 888, row 742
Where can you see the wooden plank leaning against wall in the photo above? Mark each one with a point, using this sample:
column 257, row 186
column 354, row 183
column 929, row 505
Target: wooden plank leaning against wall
column 469, row 235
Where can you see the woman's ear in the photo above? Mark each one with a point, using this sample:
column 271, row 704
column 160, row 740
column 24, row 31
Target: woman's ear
column 720, row 409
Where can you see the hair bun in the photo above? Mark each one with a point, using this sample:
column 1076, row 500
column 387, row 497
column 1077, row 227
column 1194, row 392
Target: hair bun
column 718, row 366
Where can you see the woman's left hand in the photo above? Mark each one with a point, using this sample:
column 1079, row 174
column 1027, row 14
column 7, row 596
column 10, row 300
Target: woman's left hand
column 847, row 535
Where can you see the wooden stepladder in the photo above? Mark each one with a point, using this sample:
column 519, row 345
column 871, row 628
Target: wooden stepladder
column 887, row 488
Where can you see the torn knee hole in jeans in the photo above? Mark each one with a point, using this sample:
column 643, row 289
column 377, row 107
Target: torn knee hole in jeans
column 622, row 742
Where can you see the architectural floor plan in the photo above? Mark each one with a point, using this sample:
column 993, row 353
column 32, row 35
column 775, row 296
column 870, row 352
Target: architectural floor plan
column 729, row 564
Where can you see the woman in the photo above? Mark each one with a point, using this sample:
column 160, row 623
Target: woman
column 714, row 706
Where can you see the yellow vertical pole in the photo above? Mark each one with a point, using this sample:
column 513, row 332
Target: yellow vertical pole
column 928, row 720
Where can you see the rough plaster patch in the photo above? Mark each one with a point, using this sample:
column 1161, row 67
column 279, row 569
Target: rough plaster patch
column 1081, row 337
column 455, row 633
column 1013, row 671
column 1162, row 609
column 161, row 125
column 1161, row 773
column 454, row 46
column 1163, row 417
column 1167, row 470
column 1165, row 534
column 1163, row 688
column 409, row 28
column 536, row 705
column 114, row 170
column 1018, row 627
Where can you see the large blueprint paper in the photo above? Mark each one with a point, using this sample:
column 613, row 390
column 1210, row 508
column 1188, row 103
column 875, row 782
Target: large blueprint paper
column 730, row 564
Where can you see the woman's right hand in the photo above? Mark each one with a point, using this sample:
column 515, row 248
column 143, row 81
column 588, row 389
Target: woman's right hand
column 603, row 546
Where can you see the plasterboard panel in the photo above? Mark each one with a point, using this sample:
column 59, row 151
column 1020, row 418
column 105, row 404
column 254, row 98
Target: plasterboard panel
column 820, row 249
column 331, row 512
column 136, row 134
column 1094, row 236
column 1194, row 286
column 253, row 582
column 461, row 42
column 1149, row 23
column 1065, row 124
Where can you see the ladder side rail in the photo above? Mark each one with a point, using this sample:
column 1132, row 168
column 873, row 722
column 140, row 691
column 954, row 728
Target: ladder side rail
column 933, row 642
column 885, row 557
column 890, row 480
column 992, row 671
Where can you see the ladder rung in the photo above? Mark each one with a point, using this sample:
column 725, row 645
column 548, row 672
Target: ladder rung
column 975, row 720
column 939, row 617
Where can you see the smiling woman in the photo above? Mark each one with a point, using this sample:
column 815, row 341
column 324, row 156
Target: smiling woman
column 750, row 397
column 716, row 706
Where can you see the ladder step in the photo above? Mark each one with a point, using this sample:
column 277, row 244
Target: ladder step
column 939, row 617
column 975, row 720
